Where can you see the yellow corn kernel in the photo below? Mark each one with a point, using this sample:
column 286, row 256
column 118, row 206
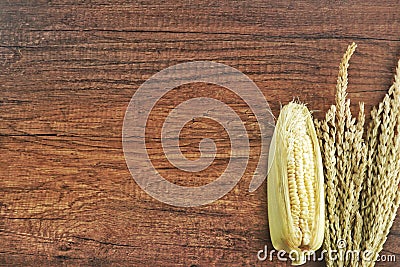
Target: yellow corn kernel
column 295, row 184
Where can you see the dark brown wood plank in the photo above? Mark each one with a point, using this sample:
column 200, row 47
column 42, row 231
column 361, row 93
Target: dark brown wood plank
column 67, row 73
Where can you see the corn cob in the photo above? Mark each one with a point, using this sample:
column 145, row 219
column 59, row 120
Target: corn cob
column 295, row 185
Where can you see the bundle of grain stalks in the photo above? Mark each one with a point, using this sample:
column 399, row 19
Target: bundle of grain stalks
column 361, row 174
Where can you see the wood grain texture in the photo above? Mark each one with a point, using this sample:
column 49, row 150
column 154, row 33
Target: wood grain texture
column 67, row 72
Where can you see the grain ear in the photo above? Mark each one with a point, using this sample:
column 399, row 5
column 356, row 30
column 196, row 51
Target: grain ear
column 295, row 184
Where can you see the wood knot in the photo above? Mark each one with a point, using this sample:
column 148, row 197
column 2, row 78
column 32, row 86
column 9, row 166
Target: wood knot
column 64, row 247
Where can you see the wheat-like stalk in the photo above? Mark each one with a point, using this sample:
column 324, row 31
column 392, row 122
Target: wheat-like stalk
column 361, row 176
column 343, row 155
column 380, row 194
column 326, row 131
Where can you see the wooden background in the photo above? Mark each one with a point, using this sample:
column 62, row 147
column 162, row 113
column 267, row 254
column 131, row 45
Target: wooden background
column 67, row 72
